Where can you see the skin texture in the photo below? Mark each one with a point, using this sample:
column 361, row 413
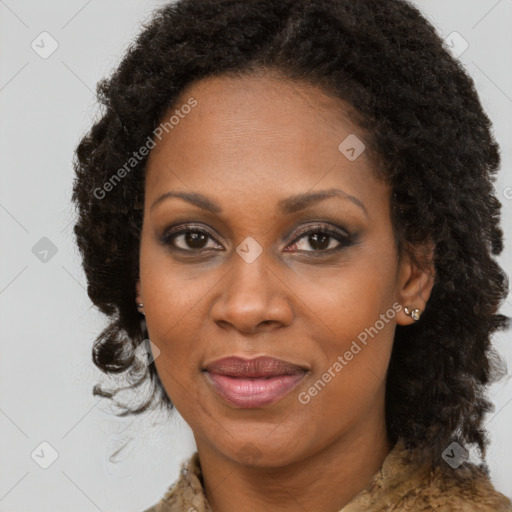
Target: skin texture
column 249, row 143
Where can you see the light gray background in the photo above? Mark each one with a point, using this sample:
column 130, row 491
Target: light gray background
column 48, row 324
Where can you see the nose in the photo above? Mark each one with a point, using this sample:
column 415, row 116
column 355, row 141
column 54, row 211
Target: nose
column 254, row 298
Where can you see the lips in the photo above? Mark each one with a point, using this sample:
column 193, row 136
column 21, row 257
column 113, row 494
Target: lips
column 253, row 383
column 260, row 367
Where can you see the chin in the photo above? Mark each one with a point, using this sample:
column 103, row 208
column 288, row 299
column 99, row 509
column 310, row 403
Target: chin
column 261, row 454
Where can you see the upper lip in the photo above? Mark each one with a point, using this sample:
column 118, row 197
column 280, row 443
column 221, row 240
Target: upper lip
column 262, row 366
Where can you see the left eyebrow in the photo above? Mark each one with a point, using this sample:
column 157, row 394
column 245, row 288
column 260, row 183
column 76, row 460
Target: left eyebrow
column 299, row 202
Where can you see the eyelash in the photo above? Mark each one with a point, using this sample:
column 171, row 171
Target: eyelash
column 343, row 239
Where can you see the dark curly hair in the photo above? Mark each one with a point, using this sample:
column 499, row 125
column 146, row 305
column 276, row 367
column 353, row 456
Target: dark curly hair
column 422, row 117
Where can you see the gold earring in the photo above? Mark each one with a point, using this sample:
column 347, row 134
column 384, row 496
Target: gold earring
column 414, row 314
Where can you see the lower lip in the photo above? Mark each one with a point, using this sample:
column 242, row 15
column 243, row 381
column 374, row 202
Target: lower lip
column 253, row 392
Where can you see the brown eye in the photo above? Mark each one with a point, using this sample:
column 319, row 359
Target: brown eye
column 320, row 238
column 189, row 239
column 195, row 240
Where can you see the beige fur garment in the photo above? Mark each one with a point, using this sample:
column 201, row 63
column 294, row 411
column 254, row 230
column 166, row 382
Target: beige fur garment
column 400, row 485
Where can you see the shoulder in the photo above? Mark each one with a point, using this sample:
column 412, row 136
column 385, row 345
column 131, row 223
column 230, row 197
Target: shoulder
column 404, row 484
column 467, row 488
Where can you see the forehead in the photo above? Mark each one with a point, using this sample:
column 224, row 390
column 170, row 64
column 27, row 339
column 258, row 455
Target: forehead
column 258, row 134
column 268, row 109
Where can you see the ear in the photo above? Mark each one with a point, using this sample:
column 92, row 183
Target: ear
column 416, row 277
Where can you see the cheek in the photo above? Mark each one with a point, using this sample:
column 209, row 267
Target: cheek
column 354, row 327
column 351, row 297
column 176, row 313
column 173, row 295
column 348, row 385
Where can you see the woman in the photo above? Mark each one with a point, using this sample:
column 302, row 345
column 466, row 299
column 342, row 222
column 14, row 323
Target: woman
column 295, row 197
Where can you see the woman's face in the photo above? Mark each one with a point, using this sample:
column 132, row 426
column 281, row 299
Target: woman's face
column 248, row 281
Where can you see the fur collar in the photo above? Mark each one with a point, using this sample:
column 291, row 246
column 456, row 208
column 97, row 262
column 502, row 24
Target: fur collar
column 400, row 485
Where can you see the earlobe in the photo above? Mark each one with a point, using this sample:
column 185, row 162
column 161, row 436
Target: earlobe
column 416, row 280
column 413, row 313
column 138, row 297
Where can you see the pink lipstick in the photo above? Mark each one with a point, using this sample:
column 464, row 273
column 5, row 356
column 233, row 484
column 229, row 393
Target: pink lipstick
column 252, row 383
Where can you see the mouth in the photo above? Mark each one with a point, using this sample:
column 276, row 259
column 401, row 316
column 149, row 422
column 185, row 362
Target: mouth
column 253, row 383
